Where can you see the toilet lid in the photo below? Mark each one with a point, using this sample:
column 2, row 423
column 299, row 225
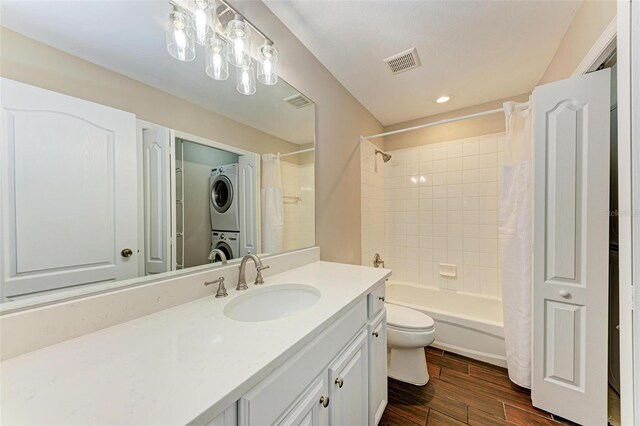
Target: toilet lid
column 401, row 317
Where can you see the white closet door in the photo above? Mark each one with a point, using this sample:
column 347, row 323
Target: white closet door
column 571, row 239
column 69, row 191
column 157, row 203
column 249, row 204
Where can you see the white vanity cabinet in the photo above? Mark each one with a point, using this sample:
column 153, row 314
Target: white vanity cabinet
column 333, row 380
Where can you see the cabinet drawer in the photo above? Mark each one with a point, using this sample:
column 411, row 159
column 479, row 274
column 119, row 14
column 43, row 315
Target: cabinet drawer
column 376, row 300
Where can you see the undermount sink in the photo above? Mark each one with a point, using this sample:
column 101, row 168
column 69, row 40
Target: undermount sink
column 271, row 302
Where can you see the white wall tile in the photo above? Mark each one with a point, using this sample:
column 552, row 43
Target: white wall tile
column 438, row 203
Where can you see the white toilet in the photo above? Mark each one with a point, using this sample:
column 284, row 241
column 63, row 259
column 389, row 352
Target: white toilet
column 408, row 332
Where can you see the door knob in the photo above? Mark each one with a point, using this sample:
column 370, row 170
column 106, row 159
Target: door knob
column 127, row 252
column 564, row 293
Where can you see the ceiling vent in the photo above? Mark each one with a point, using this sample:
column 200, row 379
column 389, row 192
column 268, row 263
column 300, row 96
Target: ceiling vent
column 403, row 61
column 298, row 100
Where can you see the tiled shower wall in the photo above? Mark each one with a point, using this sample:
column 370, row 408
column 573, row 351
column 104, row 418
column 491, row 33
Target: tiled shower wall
column 299, row 215
column 372, row 209
column 441, row 206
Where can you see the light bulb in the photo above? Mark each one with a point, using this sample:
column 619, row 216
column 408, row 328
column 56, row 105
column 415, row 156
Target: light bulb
column 268, row 64
column 238, row 50
column 216, row 61
column 202, row 20
column 246, row 78
column 179, row 38
column 239, row 35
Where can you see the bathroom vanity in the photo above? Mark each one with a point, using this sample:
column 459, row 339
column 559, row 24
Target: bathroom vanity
column 325, row 363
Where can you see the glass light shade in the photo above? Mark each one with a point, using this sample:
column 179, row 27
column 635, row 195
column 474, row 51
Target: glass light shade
column 268, row 64
column 246, row 78
column 239, row 36
column 180, row 37
column 216, row 66
column 202, row 20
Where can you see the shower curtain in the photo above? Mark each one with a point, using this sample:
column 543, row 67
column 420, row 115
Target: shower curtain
column 272, row 204
column 515, row 238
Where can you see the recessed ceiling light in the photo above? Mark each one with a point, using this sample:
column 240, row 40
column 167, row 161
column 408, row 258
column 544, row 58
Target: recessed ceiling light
column 443, row 99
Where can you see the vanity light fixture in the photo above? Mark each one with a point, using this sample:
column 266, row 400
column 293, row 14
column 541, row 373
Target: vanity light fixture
column 268, row 64
column 179, row 36
column 202, row 22
column 443, row 99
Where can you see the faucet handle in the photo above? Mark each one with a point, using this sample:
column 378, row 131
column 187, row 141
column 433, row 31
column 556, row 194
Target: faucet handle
column 222, row 291
column 259, row 280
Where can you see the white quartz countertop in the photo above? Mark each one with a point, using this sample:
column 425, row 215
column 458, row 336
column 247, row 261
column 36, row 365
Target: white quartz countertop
column 184, row 364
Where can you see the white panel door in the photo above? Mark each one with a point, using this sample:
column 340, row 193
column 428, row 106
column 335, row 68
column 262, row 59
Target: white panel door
column 571, row 240
column 157, row 202
column 69, row 191
column 249, row 204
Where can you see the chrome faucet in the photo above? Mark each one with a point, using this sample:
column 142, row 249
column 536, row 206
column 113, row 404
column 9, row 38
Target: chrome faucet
column 242, row 280
column 377, row 261
column 212, row 256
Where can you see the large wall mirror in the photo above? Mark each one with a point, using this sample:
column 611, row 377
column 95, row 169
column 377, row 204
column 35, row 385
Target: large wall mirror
column 152, row 171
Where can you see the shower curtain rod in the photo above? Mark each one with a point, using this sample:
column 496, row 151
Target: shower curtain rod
column 437, row 123
column 298, row 152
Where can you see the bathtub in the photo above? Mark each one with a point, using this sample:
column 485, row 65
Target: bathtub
column 466, row 324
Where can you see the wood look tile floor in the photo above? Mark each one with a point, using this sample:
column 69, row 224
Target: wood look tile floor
column 463, row 391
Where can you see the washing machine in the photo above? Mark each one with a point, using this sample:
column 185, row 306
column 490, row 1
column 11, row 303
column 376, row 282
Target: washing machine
column 223, row 189
column 227, row 242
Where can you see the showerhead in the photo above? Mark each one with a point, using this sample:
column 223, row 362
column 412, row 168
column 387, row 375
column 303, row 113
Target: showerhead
column 385, row 157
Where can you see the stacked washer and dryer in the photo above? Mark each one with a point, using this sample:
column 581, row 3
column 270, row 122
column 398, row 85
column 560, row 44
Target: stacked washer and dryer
column 225, row 210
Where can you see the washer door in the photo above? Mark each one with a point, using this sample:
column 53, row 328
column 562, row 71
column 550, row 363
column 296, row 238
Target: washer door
column 221, row 193
column 224, row 247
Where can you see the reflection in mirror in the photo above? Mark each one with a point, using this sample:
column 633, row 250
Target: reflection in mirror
column 129, row 200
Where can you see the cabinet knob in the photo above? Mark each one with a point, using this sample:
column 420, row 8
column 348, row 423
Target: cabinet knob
column 127, row 252
column 565, row 294
column 381, row 298
column 339, row 382
column 324, row 400
column 375, row 334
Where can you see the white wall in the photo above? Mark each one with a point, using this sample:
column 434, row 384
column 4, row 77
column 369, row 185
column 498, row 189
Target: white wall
column 372, row 190
column 198, row 162
column 299, row 216
column 441, row 206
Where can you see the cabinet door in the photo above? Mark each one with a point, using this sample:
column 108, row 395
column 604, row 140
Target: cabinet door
column 310, row 408
column 348, row 385
column 377, row 367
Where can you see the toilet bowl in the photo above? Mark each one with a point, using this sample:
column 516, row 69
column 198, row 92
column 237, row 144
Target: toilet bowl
column 408, row 332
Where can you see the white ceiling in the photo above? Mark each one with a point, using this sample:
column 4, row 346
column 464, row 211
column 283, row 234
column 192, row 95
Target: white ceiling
column 129, row 37
column 475, row 51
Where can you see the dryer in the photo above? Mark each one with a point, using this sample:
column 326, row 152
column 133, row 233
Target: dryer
column 227, row 242
column 223, row 206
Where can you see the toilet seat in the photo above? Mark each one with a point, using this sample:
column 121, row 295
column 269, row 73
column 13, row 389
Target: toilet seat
column 406, row 319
